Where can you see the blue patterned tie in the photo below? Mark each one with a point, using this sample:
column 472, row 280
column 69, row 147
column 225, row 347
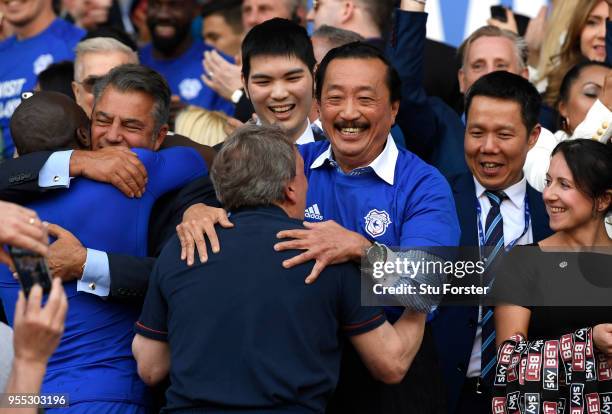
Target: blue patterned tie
column 493, row 245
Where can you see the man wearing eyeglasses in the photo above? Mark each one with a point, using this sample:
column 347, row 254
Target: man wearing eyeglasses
column 95, row 58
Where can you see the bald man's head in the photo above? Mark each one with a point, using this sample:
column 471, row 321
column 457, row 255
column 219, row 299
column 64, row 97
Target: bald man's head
column 49, row 121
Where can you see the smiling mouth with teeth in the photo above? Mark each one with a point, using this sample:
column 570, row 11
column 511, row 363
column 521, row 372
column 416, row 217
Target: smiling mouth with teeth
column 281, row 109
column 351, row 131
column 557, row 209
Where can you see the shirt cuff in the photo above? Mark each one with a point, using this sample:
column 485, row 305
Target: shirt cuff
column 56, row 171
column 96, row 274
column 597, row 125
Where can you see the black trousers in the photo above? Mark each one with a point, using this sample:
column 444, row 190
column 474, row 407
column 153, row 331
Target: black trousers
column 475, row 398
column 421, row 391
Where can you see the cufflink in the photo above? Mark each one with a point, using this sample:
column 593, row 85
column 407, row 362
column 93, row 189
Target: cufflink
column 600, row 132
column 56, row 178
column 604, row 125
column 92, row 286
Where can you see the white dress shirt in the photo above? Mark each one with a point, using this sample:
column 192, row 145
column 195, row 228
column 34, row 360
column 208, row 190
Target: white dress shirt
column 513, row 215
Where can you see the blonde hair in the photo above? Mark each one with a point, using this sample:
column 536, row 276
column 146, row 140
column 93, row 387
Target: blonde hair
column 201, row 126
column 559, row 20
column 570, row 53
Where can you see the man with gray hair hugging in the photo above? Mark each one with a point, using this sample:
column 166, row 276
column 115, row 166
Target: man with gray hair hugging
column 263, row 340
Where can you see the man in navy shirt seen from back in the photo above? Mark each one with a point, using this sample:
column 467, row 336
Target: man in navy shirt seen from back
column 262, row 341
column 366, row 194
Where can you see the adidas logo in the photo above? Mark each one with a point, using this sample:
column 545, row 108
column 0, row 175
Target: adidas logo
column 313, row 212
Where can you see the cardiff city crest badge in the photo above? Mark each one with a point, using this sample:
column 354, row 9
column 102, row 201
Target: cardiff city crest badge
column 376, row 222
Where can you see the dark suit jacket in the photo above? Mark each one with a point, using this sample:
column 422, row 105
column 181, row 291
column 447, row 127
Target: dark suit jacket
column 129, row 275
column 432, row 129
column 454, row 327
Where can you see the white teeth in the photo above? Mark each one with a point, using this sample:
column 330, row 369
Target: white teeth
column 280, row 109
column 489, row 165
column 557, row 209
column 350, row 131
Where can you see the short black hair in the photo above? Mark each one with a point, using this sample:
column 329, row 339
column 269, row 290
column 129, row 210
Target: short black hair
column 58, row 77
column 277, row 37
column 138, row 78
column 591, row 165
column 508, row 86
column 230, row 10
column 359, row 50
column 48, row 121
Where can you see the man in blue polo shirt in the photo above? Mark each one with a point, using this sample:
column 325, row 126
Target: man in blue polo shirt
column 40, row 39
column 365, row 193
column 263, row 341
column 178, row 56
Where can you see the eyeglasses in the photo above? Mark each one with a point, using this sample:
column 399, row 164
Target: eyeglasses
column 89, row 82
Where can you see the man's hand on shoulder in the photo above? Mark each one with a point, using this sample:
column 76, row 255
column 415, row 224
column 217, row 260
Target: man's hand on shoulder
column 326, row 243
column 200, row 219
column 67, row 255
column 118, row 166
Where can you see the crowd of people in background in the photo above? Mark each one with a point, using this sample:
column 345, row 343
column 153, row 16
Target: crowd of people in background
column 206, row 178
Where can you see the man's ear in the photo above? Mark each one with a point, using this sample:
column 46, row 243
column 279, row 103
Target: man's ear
column 291, row 196
column 244, row 85
column 394, row 110
column 161, row 136
column 525, row 73
column 75, row 88
column 534, row 135
column 83, row 137
column 347, row 11
column 461, row 78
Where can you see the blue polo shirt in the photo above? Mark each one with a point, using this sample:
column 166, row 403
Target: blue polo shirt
column 245, row 334
column 93, row 362
column 23, row 60
column 398, row 200
column 183, row 75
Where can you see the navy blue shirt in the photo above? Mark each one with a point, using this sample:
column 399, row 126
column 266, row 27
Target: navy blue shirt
column 246, row 334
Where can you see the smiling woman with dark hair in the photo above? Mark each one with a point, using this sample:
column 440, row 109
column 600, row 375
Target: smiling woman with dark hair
column 560, row 291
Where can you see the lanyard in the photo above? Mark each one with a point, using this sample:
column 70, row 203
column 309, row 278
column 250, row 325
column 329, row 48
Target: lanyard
column 481, row 237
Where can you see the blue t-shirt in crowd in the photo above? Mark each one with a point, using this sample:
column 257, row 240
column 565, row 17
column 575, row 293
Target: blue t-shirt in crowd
column 94, row 362
column 23, row 60
column 417, row 210
column 245, row 334
column 183, row 75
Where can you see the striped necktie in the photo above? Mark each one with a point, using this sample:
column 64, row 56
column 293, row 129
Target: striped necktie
column 493, row 246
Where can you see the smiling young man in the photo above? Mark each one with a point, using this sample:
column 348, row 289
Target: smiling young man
column 277, row 72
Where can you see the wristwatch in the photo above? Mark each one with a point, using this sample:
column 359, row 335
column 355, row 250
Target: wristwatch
column 236, row 96
column 376, row 253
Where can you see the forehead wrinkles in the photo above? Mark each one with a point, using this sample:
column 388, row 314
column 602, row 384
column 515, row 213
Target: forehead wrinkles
column 343, row 76
column 491, row 48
